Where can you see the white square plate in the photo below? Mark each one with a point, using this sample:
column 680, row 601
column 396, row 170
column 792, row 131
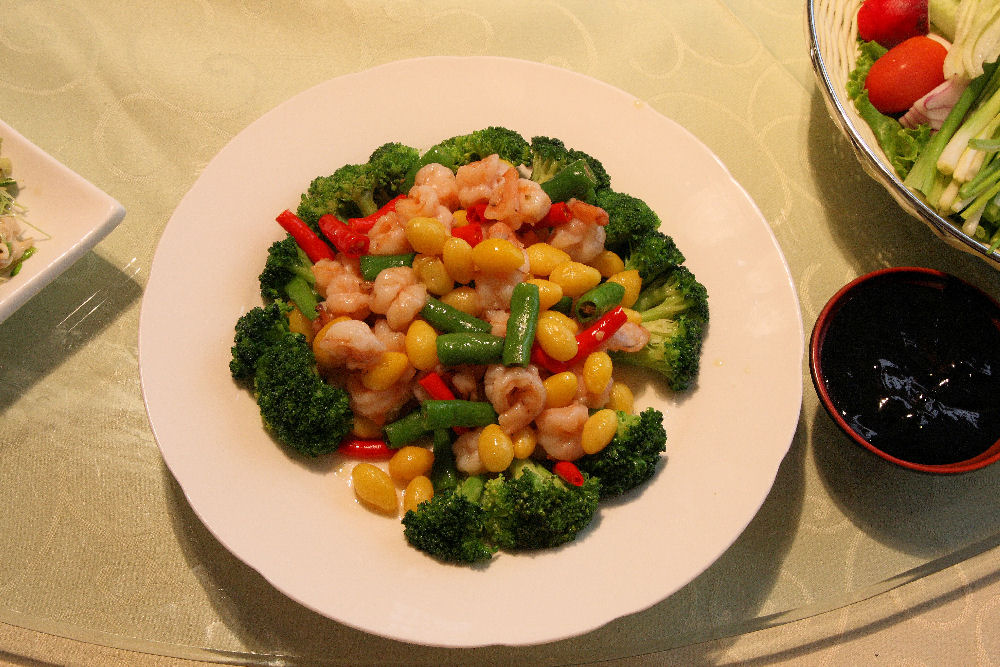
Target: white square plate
column 66, row 214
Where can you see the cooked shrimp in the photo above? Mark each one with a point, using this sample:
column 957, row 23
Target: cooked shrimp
column 339, row 281
column 388, row 236
column 466, row 450
column 382, row 405
column 517, row 201
column 395, row 341
column 517, row 394
column 560, row 430
column 442, row 180
column 348, row 344
column 631, row 337
column 582, row 237
column 397, row 295
column 498, row 320
column 465, row 381
column 501, row 230
column 494, row 292
column 476, row 181
column 423, row 201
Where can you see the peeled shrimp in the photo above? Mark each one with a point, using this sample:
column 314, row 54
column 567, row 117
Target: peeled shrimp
column 348, row 344
column 423, row 201
column 465, row 381
column 397, row 295
column 466, row 450
column 498, row 320
column 394, row 341
column 441, row 179
column 388, row 236
column 380, row 405
column 560, row 431
column 476, row 181
column 517, row 201
column 582, row 237
column 631, row 337
column 517, row 394
column 339, row 281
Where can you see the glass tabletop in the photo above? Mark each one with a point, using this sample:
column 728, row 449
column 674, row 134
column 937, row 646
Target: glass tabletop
column 97, row 541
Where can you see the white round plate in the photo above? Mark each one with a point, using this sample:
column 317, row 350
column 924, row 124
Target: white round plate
column 296, row 521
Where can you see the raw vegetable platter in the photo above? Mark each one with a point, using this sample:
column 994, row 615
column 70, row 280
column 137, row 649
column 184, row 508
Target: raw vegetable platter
column 833, row 35
column 297, row 522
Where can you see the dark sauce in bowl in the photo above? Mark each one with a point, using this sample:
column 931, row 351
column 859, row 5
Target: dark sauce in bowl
column 909, row 360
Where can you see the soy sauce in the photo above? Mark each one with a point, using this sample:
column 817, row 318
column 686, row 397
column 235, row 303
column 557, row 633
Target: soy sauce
column 915, row 369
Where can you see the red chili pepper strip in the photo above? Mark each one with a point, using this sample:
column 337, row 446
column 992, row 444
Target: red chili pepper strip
column 370, row 450
column 590, row 338
column 364, row 225
column 587, row 341
column 314, row 247
column 568, row 472
column 476, row 212
column 471, row 233
column 344, row 238
column 436, row 387
column 557, row 215
column 540, row 358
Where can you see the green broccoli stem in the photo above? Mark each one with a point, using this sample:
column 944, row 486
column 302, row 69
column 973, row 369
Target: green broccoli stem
column 471, row 488
column 668, row 308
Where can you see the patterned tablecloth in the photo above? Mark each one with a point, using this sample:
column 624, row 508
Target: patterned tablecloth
column 97, row 542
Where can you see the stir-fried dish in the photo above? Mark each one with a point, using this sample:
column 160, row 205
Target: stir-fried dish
column 451, row 323
column 15, row 247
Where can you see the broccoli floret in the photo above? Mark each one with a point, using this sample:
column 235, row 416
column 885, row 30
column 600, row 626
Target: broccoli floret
column 465, row 148
column 674, row 308
column 549, row 156
column 652, row 255
column 527, row 508
column 674, row 293
column 389, row 165
column 629, row 220
column 533, row 508
column 630, row 458
column 297, row 406
column 451, row 525
column 357, row 190
column 256, row 331
column 288, row 275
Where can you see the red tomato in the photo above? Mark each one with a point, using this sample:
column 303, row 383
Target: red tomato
column 889, row 22
column 906, row 73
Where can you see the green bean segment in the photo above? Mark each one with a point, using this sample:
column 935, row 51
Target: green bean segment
column 598, row 301
column 575, row 180
column 449, row 319
column 563, row 305
column 457, row 412
column 521, row 325
column 454, row 349
column 405, row 430
column 372, row 265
